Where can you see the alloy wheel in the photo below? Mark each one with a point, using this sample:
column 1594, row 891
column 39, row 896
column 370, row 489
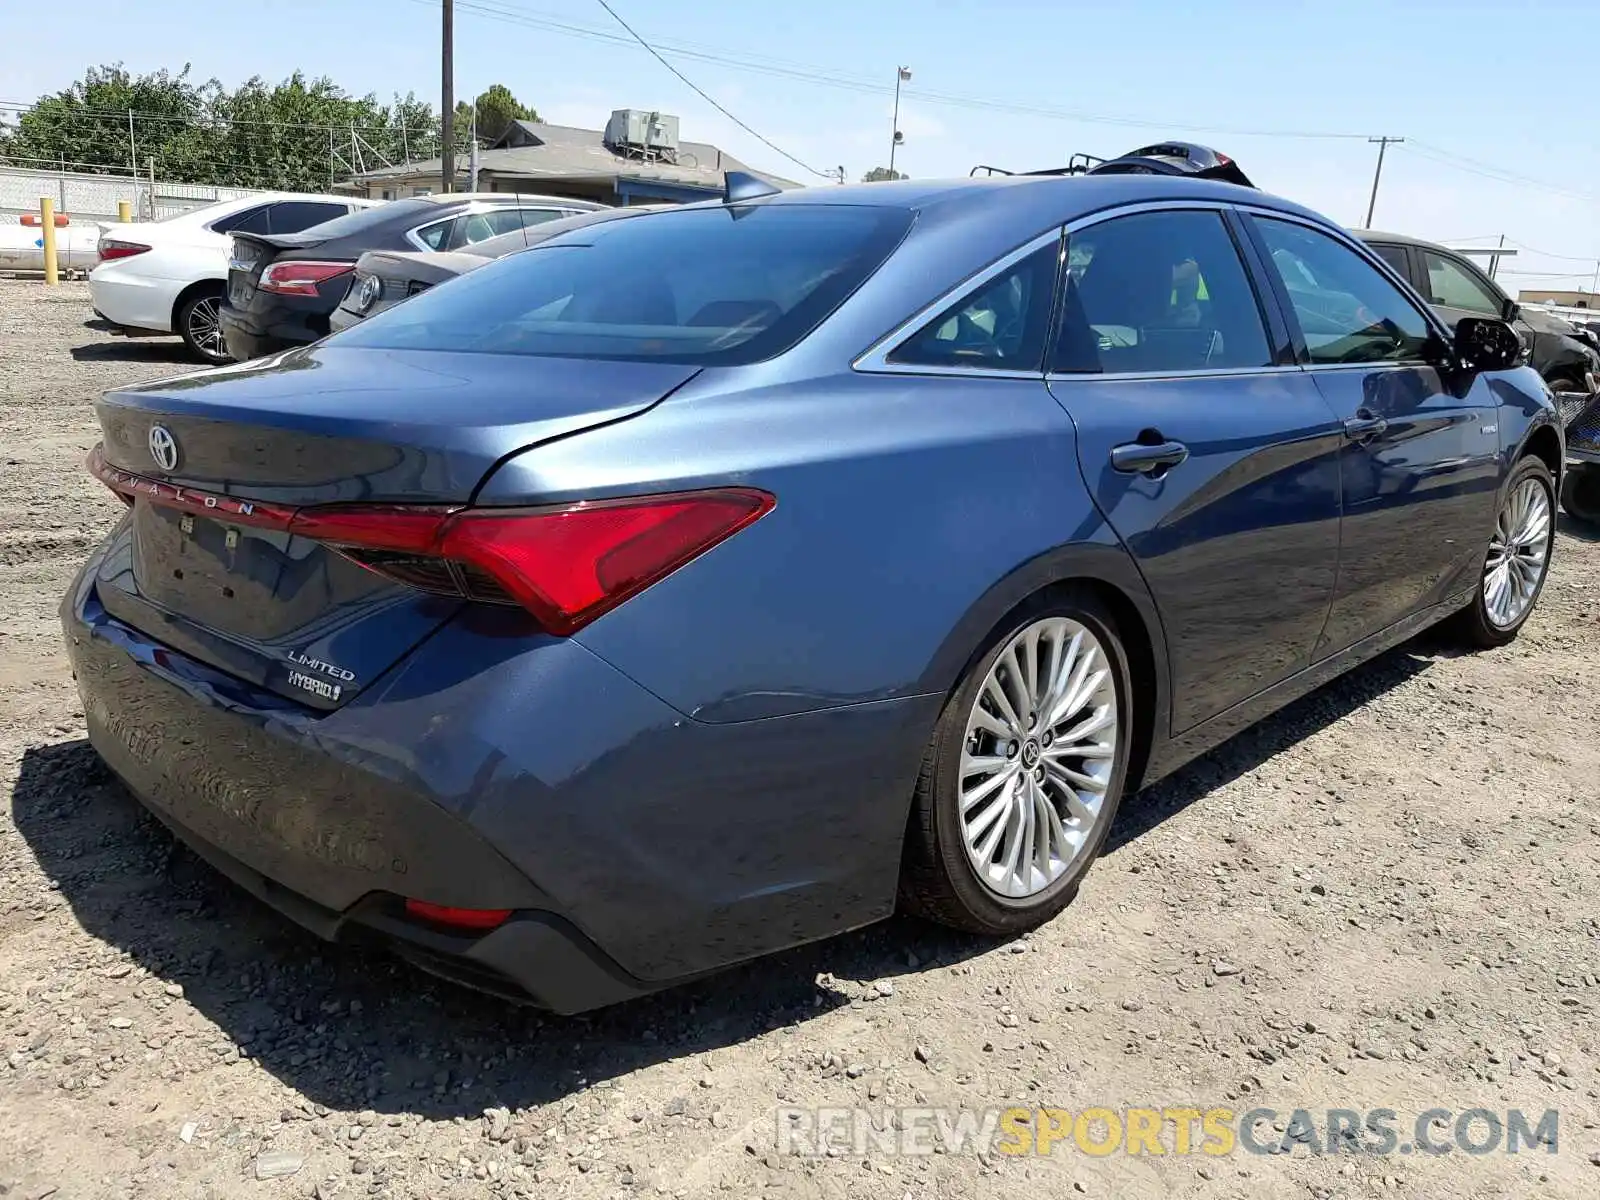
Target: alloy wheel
column 1519, row 554
column 205, row 327
column 1038, row 757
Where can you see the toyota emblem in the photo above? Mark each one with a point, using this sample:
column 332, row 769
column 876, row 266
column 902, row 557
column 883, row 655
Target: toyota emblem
column 163, row 447
column 367, row 292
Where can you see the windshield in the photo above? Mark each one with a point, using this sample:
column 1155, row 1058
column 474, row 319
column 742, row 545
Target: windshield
column 707, row 286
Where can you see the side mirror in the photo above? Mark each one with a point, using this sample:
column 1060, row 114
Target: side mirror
column 1483, row 344
column 1510, row 311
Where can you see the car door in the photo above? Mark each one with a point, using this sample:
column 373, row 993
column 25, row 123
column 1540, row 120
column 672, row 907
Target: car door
column 1212, row 455
column 1419, row 468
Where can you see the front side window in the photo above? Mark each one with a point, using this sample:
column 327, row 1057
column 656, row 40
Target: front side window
column 1002, row 325
column 1452, row 285
column 704, row 286
column 1347, row 310
column 1158, row 292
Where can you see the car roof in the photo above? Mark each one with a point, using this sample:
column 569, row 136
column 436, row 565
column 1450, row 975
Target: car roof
column 1402, row 239
column 444, row 198
column 1022, row 197
column 518, row 239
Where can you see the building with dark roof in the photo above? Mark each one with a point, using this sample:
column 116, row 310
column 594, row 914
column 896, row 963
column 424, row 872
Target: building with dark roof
column 637, row 158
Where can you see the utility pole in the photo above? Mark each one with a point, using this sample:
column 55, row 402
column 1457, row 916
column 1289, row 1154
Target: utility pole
column 133, row 151
column 447, row 104
column 1383, row 144
column 472, row 167
column 901, row 74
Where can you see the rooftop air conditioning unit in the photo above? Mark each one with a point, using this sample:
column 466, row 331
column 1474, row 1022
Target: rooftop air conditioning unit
column 640, row 132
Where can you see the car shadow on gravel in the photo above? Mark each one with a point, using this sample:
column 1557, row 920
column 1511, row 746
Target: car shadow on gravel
column 1571, row 527
column 350, row 1027
column 158, row 350
column 1251, row 747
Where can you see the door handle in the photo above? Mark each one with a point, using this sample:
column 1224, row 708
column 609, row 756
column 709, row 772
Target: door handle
column 1139, row 458
column 1363, row 427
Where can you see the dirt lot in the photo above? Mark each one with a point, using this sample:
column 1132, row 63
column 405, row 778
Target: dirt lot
column 1388, row 897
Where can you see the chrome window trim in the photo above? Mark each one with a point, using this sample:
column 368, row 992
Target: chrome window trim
column 875, row 359
column 1146, row 376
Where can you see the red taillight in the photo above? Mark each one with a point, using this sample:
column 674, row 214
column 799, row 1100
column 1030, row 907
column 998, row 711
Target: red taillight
column 301, row 278
column 566, row 565
column 111, row 248
column 473, row 919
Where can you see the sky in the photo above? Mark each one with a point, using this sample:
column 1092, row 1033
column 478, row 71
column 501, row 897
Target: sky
column 1499, row 141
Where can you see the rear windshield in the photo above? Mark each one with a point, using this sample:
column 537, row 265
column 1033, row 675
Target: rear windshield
column 363, row 219
column 707, row 286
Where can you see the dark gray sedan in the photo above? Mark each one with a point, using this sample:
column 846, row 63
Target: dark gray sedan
column 383, row 278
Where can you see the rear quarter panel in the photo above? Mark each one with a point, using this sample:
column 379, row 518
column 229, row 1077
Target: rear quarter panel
column 912, row 512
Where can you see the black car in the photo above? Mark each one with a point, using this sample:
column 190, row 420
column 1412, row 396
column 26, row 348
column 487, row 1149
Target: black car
column 282, row 288
column 1459, row 288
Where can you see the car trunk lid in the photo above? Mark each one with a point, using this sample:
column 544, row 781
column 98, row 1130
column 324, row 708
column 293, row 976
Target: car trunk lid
column 216, row 465
column 253, row 253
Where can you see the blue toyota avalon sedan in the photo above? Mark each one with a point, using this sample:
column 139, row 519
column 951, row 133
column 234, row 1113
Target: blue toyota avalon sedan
column 687, row 588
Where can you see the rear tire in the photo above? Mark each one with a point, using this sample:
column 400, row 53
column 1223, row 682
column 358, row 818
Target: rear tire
column 1580, row 492
column 989, row 783
column 1518, row 560
column 199, row 324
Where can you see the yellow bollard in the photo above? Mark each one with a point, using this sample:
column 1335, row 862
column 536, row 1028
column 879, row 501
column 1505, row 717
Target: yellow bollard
column 47, row 219
column 124, row 211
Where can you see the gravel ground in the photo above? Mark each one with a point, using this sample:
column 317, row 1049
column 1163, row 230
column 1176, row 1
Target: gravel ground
column 1386, row 897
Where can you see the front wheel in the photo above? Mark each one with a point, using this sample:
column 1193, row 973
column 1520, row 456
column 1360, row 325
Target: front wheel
column 1518, row 561
column 1023, row 775
column 200, row 324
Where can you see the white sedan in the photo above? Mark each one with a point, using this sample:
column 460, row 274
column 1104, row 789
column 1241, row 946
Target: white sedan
column 165, row 277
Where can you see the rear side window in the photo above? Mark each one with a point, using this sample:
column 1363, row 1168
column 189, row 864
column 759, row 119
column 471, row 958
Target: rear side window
column 437, row 235
column 293, row 216
column 1158, row 292
column 1348, row 312
column 1394, row 255
column 249, row 220
column 1003, row 324
column 481, row 226
column 707, row 286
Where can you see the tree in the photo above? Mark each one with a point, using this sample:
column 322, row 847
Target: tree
column 85, row 127
column 299, row 134
column 496, row 109
column 882, row 175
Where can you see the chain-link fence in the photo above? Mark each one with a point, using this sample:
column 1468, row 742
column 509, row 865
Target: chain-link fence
column 91, row 198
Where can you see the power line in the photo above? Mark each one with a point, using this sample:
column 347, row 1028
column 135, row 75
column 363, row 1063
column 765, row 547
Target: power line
column 1489, row 171
column 697, row 90
column 823, row 77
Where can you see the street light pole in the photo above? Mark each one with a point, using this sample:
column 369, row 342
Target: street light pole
column 1383, row 144
column 447, row 103
column 901, row 74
